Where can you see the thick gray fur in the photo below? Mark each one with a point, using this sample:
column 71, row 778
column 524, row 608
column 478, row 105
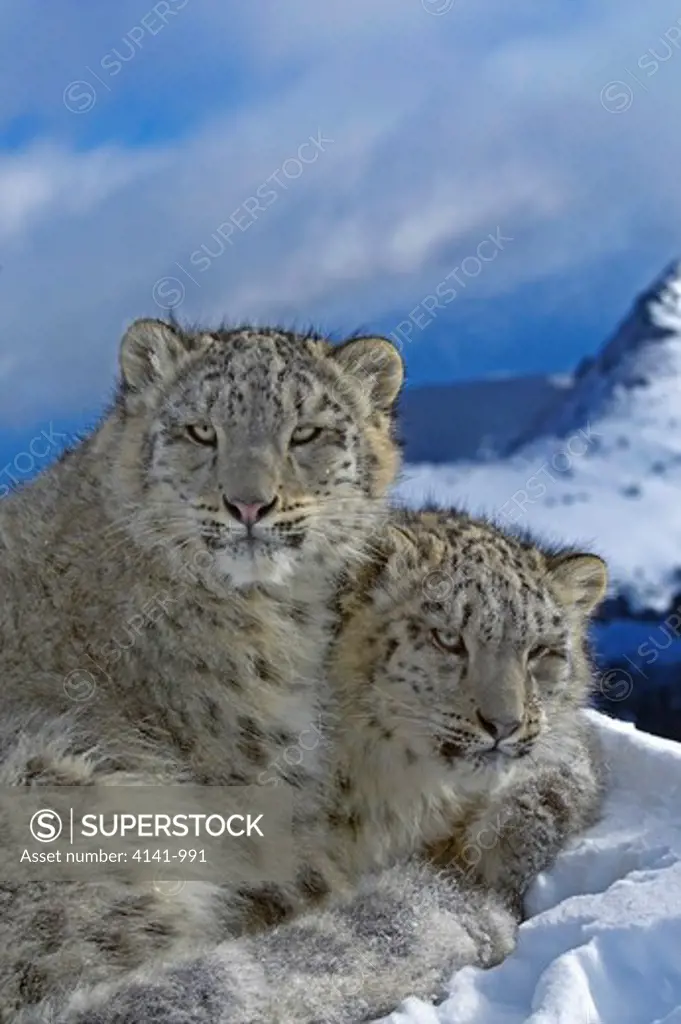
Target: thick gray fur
column 147, row 637
column 403, row 933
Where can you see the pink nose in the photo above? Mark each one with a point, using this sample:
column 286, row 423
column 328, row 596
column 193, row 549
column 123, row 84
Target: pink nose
column 249, row 512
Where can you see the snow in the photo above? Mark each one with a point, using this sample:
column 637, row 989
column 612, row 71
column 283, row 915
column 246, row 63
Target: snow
column 603, row 942
column 600, row 468
column 615, row 505
column 603, row 467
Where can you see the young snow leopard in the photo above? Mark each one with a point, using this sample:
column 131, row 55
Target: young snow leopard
column 460, row 673
column 235, row 475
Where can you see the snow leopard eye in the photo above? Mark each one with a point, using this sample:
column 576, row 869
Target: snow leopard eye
column 202, row 433
column 448, row 641
column 305, row 434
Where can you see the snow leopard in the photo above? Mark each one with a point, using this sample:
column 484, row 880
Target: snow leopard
column 461, row 763
column 165, row 609
column 461, row 671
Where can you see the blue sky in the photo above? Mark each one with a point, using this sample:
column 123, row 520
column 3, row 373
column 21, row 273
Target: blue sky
column 340, row 164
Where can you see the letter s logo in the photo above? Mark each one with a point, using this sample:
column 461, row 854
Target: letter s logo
column 46, row 825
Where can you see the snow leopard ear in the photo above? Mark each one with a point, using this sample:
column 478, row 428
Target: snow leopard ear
column 579, row 579
column 150, row 353
column 376, row 363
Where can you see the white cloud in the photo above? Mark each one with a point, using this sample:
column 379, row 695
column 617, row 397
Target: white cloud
column 443, row 128
column 48, row 181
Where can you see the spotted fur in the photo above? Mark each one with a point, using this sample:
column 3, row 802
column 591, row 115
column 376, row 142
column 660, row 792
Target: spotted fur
column 454, row 626
column 402, row 933
column 434, row 836
column 147, row 635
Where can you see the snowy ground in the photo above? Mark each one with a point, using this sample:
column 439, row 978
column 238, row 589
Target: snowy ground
column 603, row 944
column 603, row 468
column 622, row 504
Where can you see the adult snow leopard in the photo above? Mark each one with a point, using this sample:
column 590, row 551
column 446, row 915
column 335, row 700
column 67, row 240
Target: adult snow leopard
column 177, row 564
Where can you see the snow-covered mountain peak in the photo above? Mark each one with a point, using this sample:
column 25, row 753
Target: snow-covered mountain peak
column 602, row 466
column 664, row 303
column 636, row 373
